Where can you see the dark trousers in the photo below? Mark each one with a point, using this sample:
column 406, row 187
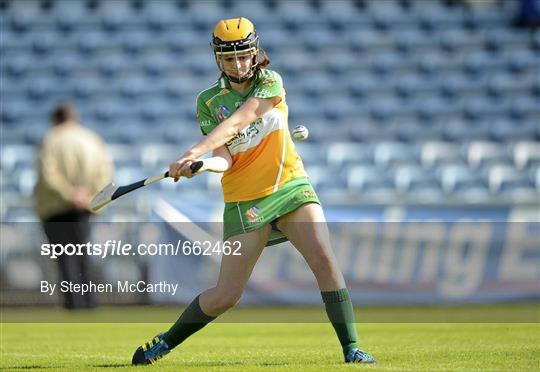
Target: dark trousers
column 74, row 228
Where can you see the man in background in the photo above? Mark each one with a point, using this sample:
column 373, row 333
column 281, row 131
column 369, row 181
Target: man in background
column 74, row 164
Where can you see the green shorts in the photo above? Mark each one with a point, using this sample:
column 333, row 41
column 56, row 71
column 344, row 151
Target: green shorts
column 245, row 216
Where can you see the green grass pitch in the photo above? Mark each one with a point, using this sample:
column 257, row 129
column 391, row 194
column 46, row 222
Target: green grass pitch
column 241, row 346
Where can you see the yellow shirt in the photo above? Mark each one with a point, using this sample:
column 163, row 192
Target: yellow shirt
column 264, row 156
column 71, row 156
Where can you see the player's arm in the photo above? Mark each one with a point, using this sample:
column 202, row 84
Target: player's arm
column 250, row 111
column 219, row 163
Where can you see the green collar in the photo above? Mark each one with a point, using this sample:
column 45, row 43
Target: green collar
column 225, row 83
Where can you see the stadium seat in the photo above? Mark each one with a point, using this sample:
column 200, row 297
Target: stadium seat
column 535, row 177
column 506, row 180
column 433, row 154
column 367, row 39
column 317, row 84
column 318, row 40
column 338, row 106
column 205, row 13
column 303, row 108
column 156, row 155
column 127, row 174
column 257, row 10
column 338, row 67
column 454, row 39
column 123, row 155
column 508, row 83
column 115, row 14
column 386, row 62
column 295, row 12
column 18, row 65
column 347, row 153
column 432, row 107
column 311, row 153
column 113, row 64
column 33, row 133
column 409, row 178
column 366, row 178
column 321, row 177
column 12, row 111
column 387, row 154
column 71, row 14
column 26, row 177
column 65, row 65
column 526, row 154
column 25, row 14
column 91, row 41
column 411, row 85
column 361, row 85
column 86, row 87
column 164, row 14
column 42, row 87
column 457, row 83
column 436, row 15
column 384, row 109
column 276, row 39
column 525, row 107
column 321, row 130
column 455, row 178
column 414, row 132
column 16, row 156
column 182, row 133
column 481, row 61
column 387, row 15
column 367, row 131
column 459, row 130
column 522, row 60
column 21, row 214
column 339, row 13
column 482, row 153
column 513, row 129
column 13, row 134
column 505, row 37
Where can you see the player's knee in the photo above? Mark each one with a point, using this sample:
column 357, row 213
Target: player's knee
column 322, row 262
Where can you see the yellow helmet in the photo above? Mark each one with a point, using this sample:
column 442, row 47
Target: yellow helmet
column 232, row 38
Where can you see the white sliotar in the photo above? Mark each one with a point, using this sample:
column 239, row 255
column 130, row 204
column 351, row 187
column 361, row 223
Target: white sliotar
column 300, row 133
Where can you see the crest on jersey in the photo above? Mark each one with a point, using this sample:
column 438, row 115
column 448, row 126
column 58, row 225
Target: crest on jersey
column 222, row 112
column 268, row 83
column 307, row 194
column 253, row 214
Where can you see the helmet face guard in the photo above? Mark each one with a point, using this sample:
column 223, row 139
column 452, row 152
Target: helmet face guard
column 235, row 50
column 234, row 38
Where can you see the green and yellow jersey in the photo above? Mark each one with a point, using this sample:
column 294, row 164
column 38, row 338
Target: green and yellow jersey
column 264, row 156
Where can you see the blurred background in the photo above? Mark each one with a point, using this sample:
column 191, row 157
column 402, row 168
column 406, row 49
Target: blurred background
column 418, row 110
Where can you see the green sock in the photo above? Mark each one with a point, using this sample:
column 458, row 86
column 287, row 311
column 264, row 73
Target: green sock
column 192, row 320
column 340, row 312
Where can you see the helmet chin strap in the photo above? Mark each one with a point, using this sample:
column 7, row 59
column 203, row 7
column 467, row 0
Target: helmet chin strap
column 238, row 80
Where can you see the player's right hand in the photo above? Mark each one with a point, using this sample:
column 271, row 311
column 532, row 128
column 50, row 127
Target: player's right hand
column 181, row 168
column 80, row 198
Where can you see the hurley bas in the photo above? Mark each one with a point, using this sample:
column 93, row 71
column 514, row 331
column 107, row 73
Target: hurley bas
column 120, row 287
